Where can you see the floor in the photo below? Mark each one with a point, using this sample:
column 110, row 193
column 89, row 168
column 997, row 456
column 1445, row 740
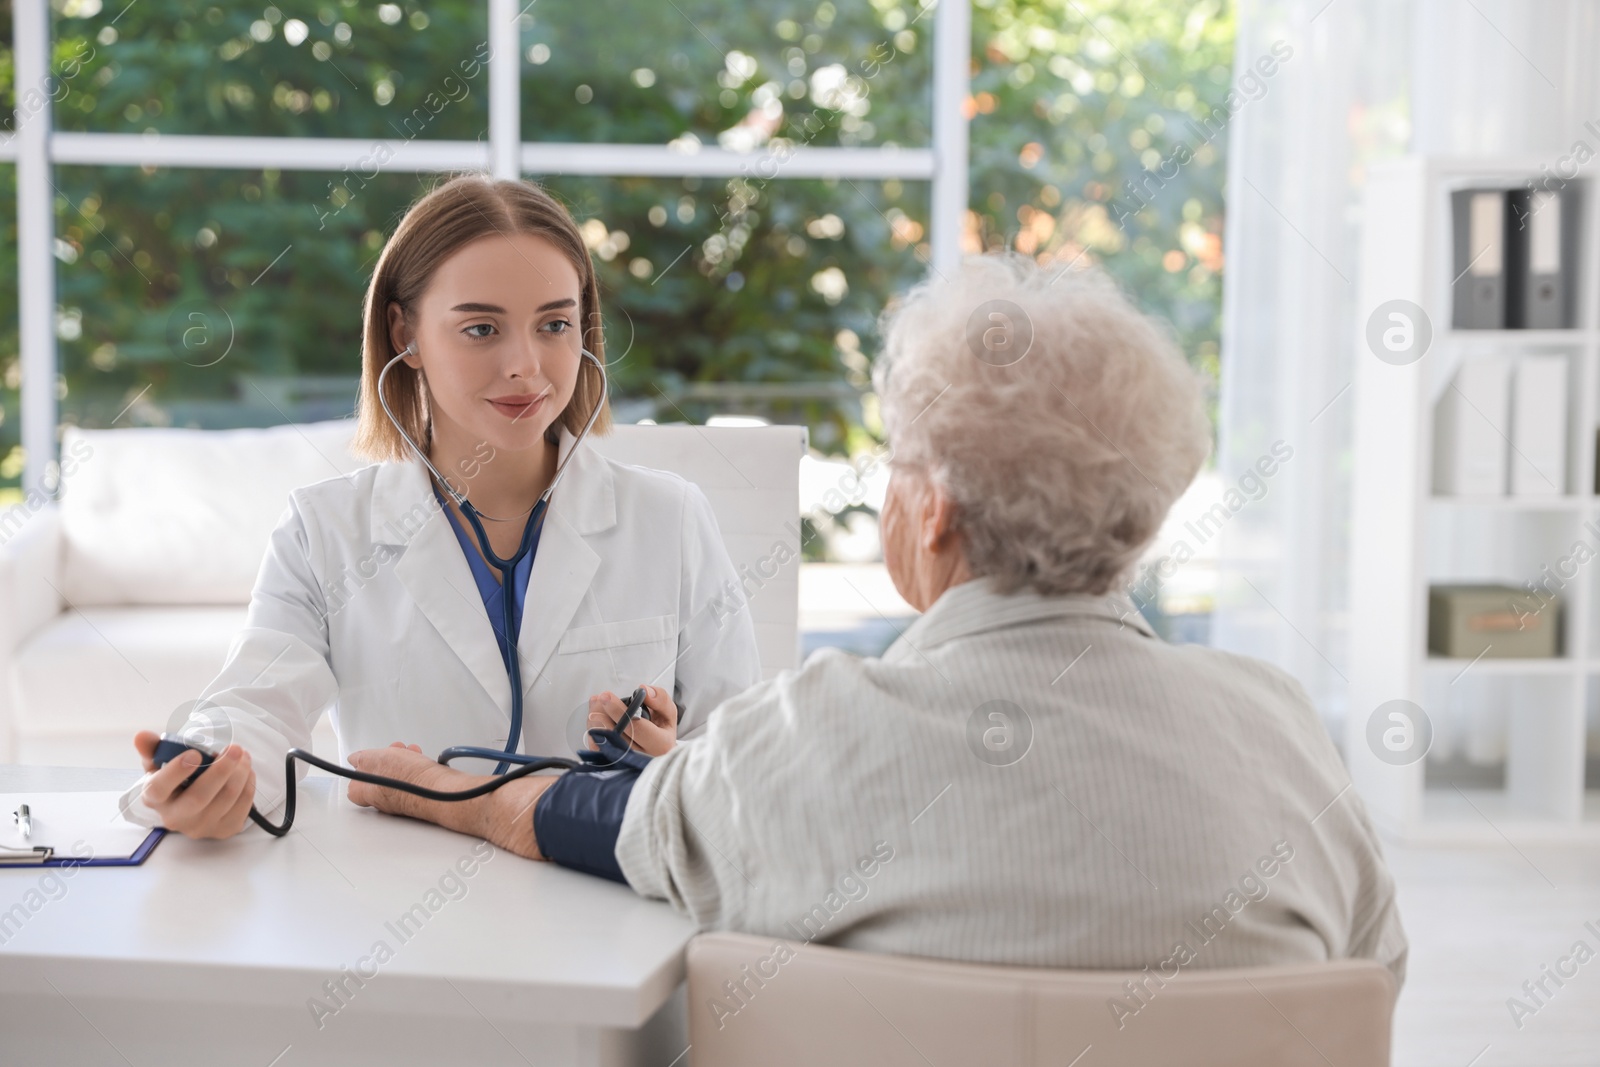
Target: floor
column 1482, row 921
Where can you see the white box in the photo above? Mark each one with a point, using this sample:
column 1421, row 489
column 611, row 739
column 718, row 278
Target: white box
column 1539, row 426
column 1471, row 428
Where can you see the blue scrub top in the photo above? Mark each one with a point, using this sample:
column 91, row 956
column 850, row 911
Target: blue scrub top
column 487, row 578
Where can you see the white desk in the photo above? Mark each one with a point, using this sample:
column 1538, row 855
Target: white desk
column 215, row 952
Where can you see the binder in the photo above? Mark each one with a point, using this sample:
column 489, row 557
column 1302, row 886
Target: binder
column 1539, row 426
column 1480, row 223
column 1470, row 429
column 73, row 830
column 1538, row 260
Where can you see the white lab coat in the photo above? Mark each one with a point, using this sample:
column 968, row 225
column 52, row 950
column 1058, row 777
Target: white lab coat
column 365, row 607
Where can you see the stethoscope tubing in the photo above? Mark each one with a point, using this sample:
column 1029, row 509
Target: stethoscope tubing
column 544, row 763
column 507, row 569
column 615, row 738
column 535, row 522
column 527, row 764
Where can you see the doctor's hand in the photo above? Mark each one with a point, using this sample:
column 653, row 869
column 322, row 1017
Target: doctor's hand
column 503, row 818
column 216, row 804
column 653, row 737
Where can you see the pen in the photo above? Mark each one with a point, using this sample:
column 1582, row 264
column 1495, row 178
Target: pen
column 24, row 822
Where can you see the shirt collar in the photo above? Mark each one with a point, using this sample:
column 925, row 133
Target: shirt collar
column 975, row 607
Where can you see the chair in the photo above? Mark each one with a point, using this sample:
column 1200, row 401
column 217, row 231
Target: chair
column 751, row 476
column 119, row 603
column 750, row 1003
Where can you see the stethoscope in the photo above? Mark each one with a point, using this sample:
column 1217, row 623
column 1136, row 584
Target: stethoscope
column 612, row 744
column 506, row 567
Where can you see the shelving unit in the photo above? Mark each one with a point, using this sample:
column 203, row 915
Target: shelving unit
column 1405, row 538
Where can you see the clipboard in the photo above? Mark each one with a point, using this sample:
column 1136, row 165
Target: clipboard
column 44, row 855
column 64, row 823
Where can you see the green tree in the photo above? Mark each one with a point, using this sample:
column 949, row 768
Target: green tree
column 1075, row 99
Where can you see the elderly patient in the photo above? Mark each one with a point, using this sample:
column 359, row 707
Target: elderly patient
column 1028, row 775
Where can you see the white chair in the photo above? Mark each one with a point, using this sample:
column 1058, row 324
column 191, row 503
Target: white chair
column 118, row 604
column 751, row 476
column 751, row 1004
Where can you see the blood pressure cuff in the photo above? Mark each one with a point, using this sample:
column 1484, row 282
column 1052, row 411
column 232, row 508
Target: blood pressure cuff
column 577, row 820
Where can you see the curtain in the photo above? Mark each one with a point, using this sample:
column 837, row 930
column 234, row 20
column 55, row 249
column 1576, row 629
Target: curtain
column 1367, row 79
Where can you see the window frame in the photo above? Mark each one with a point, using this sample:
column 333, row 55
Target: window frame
column 35, row 148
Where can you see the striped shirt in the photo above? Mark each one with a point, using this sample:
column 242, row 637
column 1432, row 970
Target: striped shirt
column 1025, row 780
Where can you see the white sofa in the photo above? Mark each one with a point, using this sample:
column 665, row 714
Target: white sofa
column 118, row 604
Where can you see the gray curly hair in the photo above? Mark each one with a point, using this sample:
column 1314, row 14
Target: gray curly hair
column 1061, row 421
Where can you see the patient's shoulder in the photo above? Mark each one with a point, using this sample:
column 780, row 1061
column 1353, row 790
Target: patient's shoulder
column 1222, row 662
column 834, row 683
column 1238, row 677
column 801, row 712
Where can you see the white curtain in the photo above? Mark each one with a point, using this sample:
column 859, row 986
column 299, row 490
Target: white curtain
column 1368, row 79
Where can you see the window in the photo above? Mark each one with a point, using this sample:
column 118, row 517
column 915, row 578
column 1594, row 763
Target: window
column 213, row 298
column 784, row 280
column 391, row 71
column 1094, row 137
column 755, row 179
column 710, row 72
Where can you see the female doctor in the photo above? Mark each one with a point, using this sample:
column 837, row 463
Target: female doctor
column 376, row 600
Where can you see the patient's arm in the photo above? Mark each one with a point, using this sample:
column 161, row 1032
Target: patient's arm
column 503, row 817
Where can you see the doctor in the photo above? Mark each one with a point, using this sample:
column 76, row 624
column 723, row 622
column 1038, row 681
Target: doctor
column 377, row 600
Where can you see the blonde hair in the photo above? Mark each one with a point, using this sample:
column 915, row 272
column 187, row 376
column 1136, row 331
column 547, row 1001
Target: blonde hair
column 1064, row 449
column 455, row 213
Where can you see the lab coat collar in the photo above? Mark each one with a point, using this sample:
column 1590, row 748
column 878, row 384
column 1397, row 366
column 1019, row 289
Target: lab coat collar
column 974, row 607
column 436, row 574
column 586, row 498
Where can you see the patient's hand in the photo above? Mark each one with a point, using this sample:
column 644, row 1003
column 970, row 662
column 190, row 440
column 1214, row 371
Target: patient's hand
column 653, row 737
column 408, row 764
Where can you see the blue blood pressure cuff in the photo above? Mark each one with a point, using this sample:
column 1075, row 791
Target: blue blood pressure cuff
column 577, row 820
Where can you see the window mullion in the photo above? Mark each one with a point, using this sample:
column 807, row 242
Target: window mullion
column 36, row 275
column 952, row 58
column 505, row 88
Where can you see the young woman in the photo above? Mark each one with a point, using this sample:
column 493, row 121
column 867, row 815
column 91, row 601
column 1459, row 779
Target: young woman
column 377, row 600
